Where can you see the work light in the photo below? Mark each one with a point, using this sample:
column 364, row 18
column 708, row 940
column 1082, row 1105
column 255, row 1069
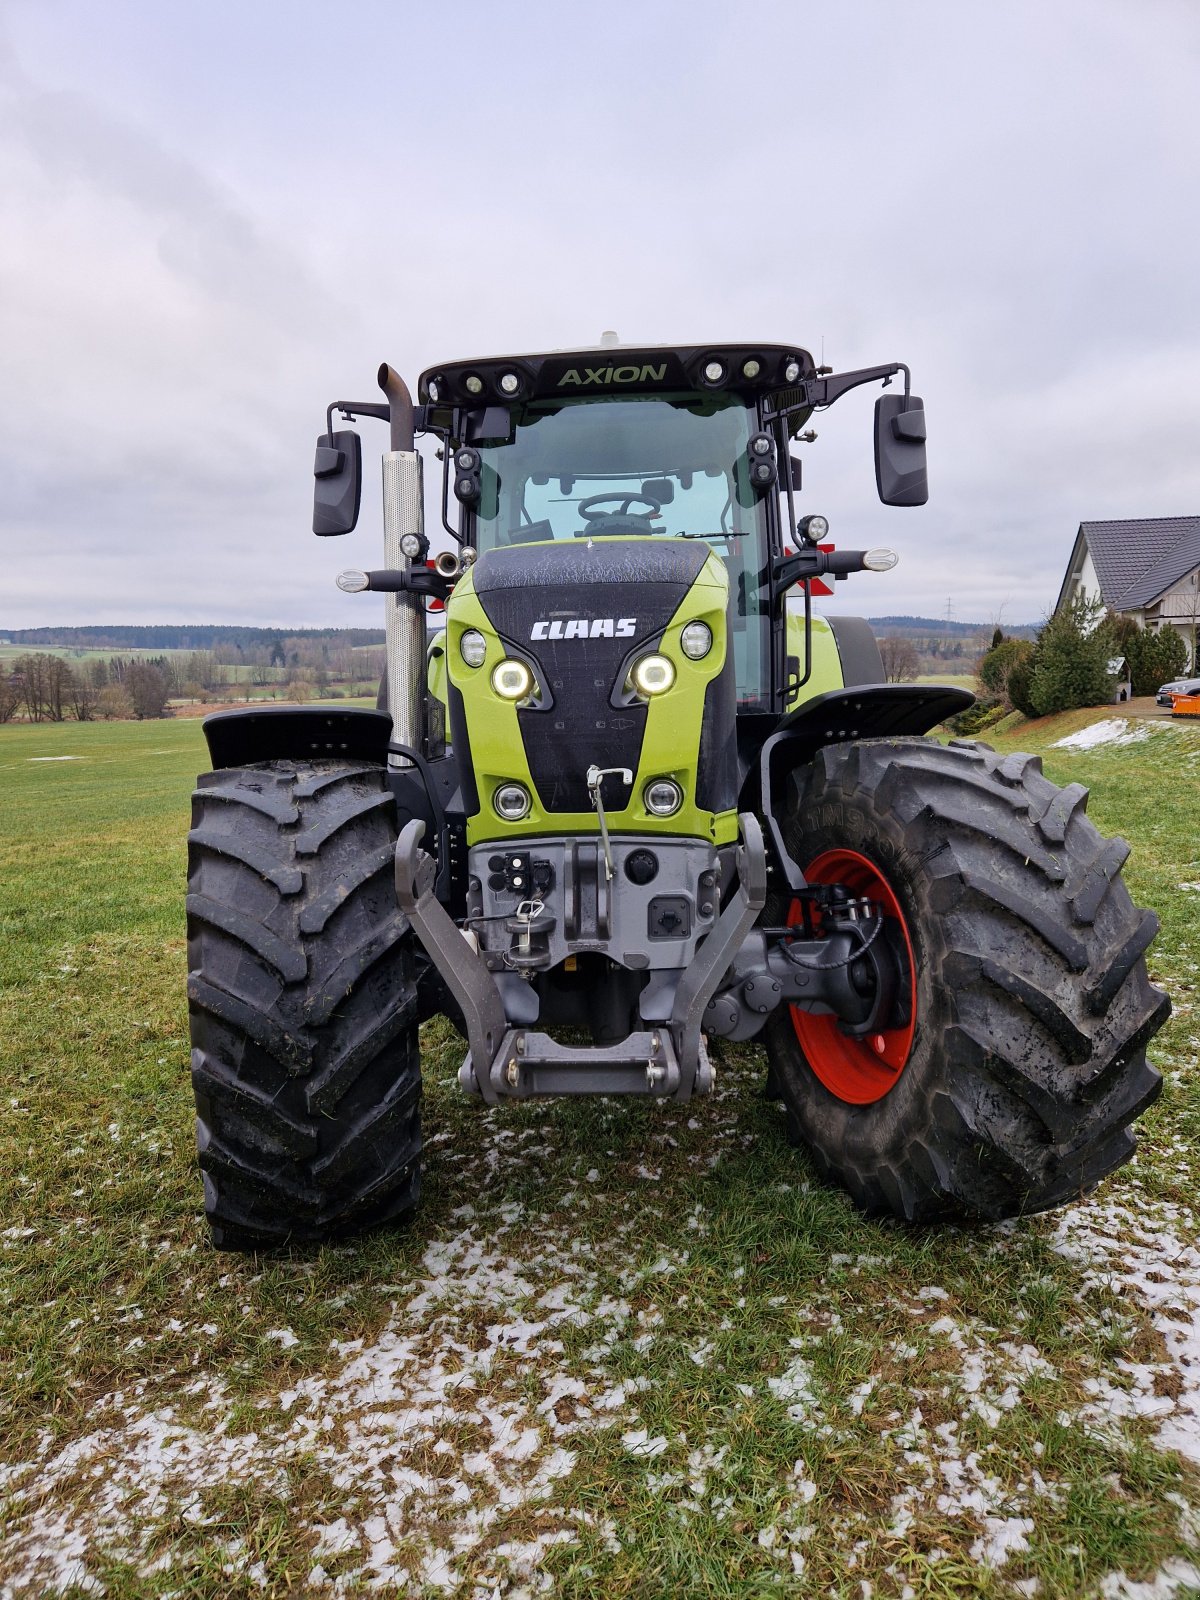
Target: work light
column 653, row 674
column 662, row 797
column 512, row 679
column 472, row 647
column 696, row 640
column 511, row 801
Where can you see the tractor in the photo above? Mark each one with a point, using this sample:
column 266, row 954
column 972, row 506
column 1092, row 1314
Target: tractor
column 627, row 794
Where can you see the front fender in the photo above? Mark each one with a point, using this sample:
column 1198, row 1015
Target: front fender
column 873, row 711
column 297, row 733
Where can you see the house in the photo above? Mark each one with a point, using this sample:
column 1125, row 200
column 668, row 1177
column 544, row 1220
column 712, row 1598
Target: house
column 1147, row 568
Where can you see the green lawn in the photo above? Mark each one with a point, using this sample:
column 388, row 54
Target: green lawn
column 635, row 1348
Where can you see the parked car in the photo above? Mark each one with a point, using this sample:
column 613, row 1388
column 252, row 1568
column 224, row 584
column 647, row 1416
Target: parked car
column 1165, row 696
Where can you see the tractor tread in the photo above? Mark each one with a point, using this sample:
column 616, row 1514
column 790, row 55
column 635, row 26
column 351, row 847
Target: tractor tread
column 303, row 1005
column 1034, row 1006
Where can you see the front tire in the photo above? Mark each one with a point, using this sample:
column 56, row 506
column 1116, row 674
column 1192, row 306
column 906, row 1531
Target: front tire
column 302, row 1004
column 1011, row 1083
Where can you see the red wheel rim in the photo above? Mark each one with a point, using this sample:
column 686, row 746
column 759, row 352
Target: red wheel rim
column 859, row 1071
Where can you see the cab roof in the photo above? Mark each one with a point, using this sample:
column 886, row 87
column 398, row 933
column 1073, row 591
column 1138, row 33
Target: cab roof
column 615, row 369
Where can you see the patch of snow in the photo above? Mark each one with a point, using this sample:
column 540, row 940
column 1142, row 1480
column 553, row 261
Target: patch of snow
column 1112, row 730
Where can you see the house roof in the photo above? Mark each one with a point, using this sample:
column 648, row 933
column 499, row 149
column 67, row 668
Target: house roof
column 1138, row 559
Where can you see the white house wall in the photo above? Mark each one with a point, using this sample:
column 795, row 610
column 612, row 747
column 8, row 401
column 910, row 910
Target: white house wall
column 1083, row 578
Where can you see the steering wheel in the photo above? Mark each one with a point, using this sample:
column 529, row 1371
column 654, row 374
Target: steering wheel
column 589, row 509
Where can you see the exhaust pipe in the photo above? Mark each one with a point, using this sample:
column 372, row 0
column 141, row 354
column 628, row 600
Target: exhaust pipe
column 403, row 512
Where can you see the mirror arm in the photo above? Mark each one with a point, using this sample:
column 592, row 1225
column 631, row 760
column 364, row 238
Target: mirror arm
column 821, row 392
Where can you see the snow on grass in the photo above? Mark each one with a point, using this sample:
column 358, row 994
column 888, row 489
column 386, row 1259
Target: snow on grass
column 451, row 1442
column 1112, row 730
column 431, row 1425
column 1138, row 1246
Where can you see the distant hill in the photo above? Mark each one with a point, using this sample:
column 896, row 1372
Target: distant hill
column 927, row 627
column 184, row 636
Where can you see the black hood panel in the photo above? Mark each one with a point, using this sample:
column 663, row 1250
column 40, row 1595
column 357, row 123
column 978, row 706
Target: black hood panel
column 610, row 596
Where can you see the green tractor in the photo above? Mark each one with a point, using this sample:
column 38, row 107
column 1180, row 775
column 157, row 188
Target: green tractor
column 633, row 797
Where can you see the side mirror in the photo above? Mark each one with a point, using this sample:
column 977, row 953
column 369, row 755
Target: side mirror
column 338, row 488
column 901, row 475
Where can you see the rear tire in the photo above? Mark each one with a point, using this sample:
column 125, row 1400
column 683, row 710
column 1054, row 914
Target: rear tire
column 302, row 1004
column 1026, row 1063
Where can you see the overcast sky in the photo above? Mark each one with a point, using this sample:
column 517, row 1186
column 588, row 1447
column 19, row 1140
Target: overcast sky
column 215, row 218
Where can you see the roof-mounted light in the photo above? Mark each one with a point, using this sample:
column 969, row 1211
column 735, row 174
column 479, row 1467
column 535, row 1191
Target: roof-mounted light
column 473, row 383
column 714, row 371
column 509, row 382
column 751, row 368
column 791, row 370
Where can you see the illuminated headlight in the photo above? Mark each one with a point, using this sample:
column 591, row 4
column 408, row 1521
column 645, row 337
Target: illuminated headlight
column 791, row 372
column 512, row 680
column 473, row 385
column 410, row 545
column 714, row 372
column 472, row 647
column 510, row 383
column 511, row 801
column 663, row 797
column 696, row 640
column 880, row 560
column 435, row 390
column 652, row 675
column 751, row 368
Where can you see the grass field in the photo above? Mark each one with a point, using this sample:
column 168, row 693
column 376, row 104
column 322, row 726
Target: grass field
column 625, row 1349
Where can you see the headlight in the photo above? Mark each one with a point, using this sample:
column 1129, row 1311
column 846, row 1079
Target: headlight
column 512, row 680
column 662, row 797
column 696, row 640
column 472, row 647
column 511, row 801
column 652, row 675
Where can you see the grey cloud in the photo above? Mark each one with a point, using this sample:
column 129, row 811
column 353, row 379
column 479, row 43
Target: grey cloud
column 220, row 219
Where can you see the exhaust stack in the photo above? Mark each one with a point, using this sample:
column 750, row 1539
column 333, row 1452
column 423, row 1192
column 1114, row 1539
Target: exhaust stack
column 403, row 512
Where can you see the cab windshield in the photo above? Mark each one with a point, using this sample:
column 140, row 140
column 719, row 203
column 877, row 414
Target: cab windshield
column 667, row 466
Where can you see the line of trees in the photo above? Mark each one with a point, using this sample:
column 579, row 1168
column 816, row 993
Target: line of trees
column 42, row 687
column 46, row 688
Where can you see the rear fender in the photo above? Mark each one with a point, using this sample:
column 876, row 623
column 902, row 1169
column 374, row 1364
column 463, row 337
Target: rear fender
column 879, row 711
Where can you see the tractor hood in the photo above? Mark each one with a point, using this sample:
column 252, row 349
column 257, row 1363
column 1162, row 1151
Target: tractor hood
column 580, row 614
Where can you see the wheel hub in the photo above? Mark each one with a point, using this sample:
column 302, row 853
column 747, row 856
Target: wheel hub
column 860, row 1062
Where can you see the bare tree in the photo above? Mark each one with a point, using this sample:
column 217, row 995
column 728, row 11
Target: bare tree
column 114, row 703
column 147, row 689
column 901, row 662
column 81, row 692
column 10, row 694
